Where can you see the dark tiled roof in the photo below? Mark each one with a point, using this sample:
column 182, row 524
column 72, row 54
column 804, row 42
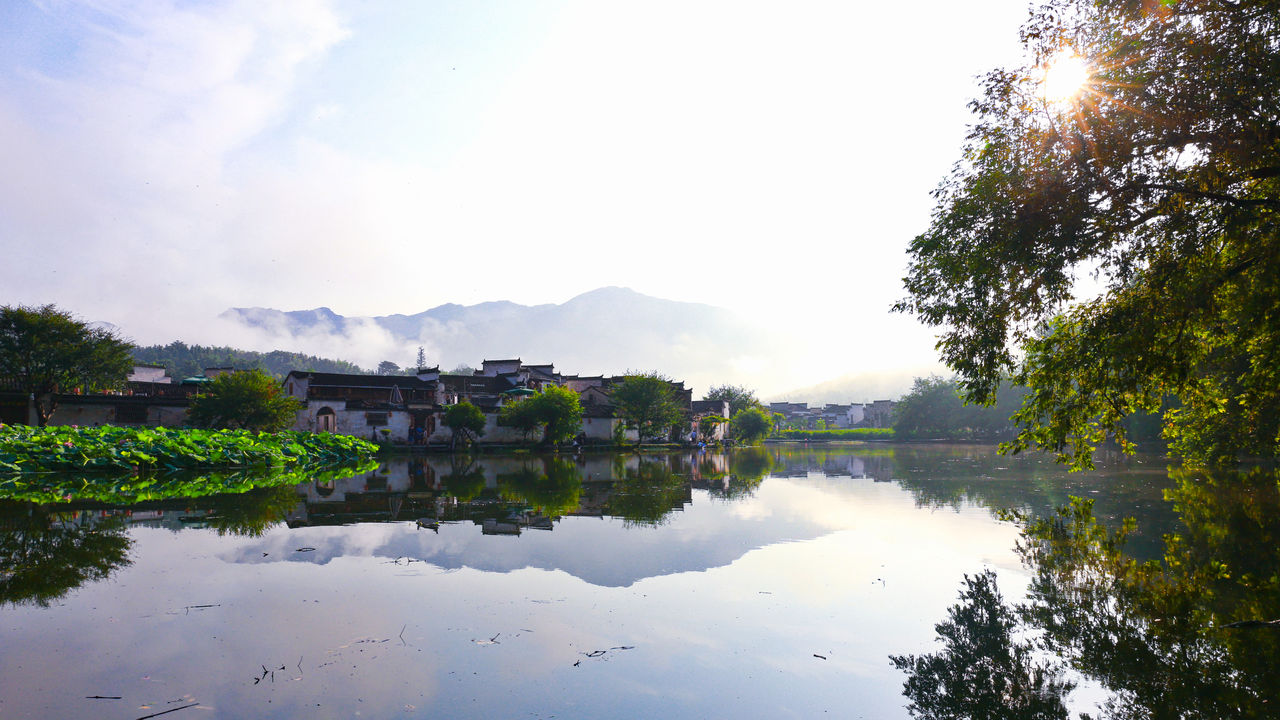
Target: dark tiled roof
column 404, row 382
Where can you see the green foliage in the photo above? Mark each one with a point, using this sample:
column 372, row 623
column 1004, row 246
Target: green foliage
column 1164, row 175
column 557, row 410
column 249, row 400
column 648, row 403
column 560, row 410
column 839, row 434
column 522, row 416
column 750, row 425
column 181, row 360
column 37, row 450
column 465, row 420
column 935, row 408
column 739, row 398
column 44, row 350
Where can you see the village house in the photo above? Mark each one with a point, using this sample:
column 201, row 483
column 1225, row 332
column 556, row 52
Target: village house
column 149, row 398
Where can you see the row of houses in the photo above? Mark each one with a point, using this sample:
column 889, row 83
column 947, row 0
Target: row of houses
column 878, row 414
column 386, row 408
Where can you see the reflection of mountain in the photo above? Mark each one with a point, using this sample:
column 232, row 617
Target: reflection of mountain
column 609, row 330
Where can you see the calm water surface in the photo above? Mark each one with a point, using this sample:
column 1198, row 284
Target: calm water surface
column 768, row 582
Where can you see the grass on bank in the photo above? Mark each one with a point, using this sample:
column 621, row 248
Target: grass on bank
column 836, row 434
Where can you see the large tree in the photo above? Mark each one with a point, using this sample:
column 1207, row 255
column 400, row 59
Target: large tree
column 465, row 421
column 556, row 410
column 647, row 403
column 1161, row 175
column 751, row 424
column 738, row 397
column 45, row 351
column 248, row 399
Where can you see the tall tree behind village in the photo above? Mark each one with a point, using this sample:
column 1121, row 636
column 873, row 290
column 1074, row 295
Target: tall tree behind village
column 45, row 351
column 1160, row 171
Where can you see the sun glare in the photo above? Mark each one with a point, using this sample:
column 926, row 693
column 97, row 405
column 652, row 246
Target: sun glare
column 1065, row 74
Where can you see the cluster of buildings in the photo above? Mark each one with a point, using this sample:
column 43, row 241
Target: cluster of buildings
column 878, row 414
column 386, row 408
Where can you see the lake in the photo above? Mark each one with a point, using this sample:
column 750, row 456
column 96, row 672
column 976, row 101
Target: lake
column 762, row 582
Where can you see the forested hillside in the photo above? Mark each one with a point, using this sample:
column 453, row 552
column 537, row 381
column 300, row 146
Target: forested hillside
column 182, row 360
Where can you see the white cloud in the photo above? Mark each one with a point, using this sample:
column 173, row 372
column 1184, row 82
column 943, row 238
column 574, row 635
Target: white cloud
column 168, row 160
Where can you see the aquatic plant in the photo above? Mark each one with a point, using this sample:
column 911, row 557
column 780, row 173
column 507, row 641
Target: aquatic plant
column 26, row 449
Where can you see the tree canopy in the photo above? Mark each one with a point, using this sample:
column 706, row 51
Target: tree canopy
column 934, row 409
column 466, row 421
column 556, row 410
column 1161, row 175
column 751, row 424
column 183, row 360
column 248, row 399
column 648, row 403
column 738, row 397
column 44, row 351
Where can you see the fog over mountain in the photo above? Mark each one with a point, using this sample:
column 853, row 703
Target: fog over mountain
column 609, row 330
column 861, row 387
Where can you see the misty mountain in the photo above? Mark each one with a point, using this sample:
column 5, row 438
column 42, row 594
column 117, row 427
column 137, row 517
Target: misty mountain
column 609, row 330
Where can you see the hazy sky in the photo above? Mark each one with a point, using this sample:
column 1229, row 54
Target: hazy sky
column 163, row 161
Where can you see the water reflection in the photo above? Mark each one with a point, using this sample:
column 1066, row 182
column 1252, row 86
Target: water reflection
column 1194, row 633
column 771, row 581
column 45, row 555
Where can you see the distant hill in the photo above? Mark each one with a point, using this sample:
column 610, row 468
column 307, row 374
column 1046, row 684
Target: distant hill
column 608, row 330
column 181, row 360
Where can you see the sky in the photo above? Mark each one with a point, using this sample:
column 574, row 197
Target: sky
column 164, row 161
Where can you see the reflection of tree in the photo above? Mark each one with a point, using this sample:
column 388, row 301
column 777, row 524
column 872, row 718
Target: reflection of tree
column 552, row 486
column 648, row 493
column 1187, row 635
column 982, row 672
column 747, row 468
column 465, row 480
column 43, row 556
column 252, row 513
column 1154, row 633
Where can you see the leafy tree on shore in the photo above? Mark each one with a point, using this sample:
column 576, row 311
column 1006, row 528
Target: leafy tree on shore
column 1163, row 173
column 648, row 404
column 249, row 400
column 45, row 351
column 466, row 421
column 556, row 410
column 935, row 408
column 750, row 425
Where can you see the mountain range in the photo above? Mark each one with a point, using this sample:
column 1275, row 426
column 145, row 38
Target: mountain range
column 609, row 330
column 606, row 331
